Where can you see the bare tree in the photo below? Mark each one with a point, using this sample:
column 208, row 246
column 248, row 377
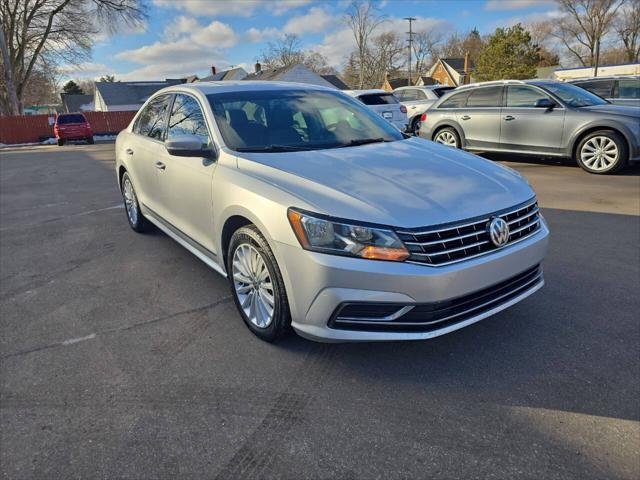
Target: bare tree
column 362, row 19
column 288, row 51
column 53, row 31
column 627, row 28
column 583, row 26
column 425, row 45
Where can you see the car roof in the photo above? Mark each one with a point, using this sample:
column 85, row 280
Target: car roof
column 425, row 87
column 604, row 77
column 225, row 86
column 370, row 91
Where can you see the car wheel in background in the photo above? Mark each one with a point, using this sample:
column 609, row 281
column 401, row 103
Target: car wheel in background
column 447, row 136
column 602, row 152
column 132, row 208
column 256, row 284
column 60, row 142
column 90, row 140
column 415, row 125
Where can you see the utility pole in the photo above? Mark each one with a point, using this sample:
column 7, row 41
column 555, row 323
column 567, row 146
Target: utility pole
column 410, row 32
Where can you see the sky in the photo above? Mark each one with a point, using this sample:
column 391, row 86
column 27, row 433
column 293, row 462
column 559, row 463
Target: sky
column 185, row 37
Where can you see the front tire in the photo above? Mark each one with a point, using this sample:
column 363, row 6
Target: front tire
column 132, row 208
column 602, row 152
column 256, row 284
column 447, row 136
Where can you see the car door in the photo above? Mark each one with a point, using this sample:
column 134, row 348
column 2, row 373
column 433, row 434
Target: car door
column 480, row 118
column 145, row 146
column 527, row 128
column 185, row 183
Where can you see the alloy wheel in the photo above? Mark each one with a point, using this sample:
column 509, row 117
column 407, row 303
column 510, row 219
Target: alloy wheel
column 599, row 153
column 447, row 138
column 253, row 286
column 130, row 201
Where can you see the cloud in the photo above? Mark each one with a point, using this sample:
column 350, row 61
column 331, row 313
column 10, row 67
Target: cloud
column 179, row 26
column 527, row 19
column 85, row 70
column 253, row 35
column 216, row 34
column 315, row 21
column 230, row 8
column 501, row 5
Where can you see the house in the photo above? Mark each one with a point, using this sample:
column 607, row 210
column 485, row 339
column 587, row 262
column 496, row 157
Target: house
column 452, row 71
column 76, row 103
column 336, row 82
column 390, row 84
column 292, row 73
column 127, row 96
column 423, row 81
column 237, row 73
column 603, row 70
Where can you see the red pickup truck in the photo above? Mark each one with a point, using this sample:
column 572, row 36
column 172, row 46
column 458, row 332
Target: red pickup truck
column 72, row 126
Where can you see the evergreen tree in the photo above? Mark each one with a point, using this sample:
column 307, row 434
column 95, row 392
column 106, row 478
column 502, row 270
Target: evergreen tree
column 72, row 88
column 509, row 54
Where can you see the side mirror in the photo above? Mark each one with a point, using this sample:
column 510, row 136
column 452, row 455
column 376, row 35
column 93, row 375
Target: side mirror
column 188, row 146
column 545, row 103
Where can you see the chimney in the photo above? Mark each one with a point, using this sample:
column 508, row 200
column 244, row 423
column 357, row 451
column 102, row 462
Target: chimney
column 258, row 67
column 213, row 69
column 467, row 74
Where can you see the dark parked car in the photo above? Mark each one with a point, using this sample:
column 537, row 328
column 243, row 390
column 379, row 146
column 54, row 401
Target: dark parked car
column 620, row 90
column 72, row 126
column 537, row 117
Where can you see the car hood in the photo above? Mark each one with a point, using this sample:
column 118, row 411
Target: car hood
column 624, row 110
column 408, row 183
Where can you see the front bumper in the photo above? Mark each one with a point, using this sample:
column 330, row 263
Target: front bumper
column 319, row 284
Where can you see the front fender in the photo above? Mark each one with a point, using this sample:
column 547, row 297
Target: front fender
column 605, row 124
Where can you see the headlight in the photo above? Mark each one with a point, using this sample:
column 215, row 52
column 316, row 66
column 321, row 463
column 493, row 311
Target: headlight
column 340, row 238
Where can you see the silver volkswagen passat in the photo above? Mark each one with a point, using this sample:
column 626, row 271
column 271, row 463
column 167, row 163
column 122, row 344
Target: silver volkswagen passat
column 326, row 218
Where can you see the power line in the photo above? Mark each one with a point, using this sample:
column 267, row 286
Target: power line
column 410, row 32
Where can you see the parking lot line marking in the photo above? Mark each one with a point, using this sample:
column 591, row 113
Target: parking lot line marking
column 71, row 341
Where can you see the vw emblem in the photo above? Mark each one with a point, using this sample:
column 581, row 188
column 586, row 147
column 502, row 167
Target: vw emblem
column 498, row 231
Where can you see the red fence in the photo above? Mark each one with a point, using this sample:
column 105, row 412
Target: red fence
column 35, row 128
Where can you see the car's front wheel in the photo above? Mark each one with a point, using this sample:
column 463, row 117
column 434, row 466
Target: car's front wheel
column 256, row 284
column 602, row 152
column 136, row 220
column 447, row 136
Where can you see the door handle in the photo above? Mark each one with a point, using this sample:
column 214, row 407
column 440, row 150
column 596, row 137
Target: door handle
column 509, row 117
column 129, row 151
column 466, row 117
column 160, row 166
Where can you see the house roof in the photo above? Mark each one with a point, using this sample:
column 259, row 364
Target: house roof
column 336, row 82
column 426, row 80
column 72, row 103
column 457, row 64
column 269, row 74
column 397, row 82
column 132, row 93
column 237, row 73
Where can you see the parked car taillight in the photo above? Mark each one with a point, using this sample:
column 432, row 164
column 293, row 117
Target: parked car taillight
column 423, row 117
column 403, row 109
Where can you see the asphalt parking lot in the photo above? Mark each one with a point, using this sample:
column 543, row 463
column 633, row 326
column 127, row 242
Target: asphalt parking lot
column 122, row 355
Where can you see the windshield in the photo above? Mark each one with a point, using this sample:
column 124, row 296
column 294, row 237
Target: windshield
column 74, row 118
column 289, row 120
column 572, row 95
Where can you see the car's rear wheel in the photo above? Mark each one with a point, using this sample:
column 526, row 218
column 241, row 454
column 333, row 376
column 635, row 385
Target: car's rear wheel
column 60, row 142
column 602, row 152
column 90, row 140
column 256, row 284
column 136, row 220
column 447, row 136
column 415, row 125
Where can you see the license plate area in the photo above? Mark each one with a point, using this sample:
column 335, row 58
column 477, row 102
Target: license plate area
column 387, row 115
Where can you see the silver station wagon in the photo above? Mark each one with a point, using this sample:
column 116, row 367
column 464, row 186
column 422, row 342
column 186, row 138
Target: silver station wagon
column 326, row 218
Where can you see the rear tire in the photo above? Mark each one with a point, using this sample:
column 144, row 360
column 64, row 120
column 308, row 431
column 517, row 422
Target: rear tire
column 602, row 152
column 447, row 136
column 415, row 126
column 137, row 221
column 256, row 285
column 90, row 140
column 60, row 142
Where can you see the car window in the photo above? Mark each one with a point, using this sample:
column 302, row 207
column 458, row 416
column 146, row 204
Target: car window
column 485, row 97
column 629, row 88
column 153, row 119
column 421, row 95
column 520, row 96
column 602, row 88
column 270, row 120
column 572, row 95
column 441, row 91
column 409, row 95
column 455, row 100
column 74, row 118
column 187, row 119
column 378, row 99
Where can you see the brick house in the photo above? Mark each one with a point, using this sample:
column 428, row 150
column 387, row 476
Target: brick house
column 452, row 71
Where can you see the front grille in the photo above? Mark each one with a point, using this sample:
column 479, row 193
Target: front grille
column 446, row 244
column 427, row 317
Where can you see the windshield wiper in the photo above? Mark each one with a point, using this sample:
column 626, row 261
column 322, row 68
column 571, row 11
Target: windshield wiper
column 364, row 141
column 274, row 148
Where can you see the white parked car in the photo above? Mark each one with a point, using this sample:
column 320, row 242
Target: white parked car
column 417, row 100
column 384, row 103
